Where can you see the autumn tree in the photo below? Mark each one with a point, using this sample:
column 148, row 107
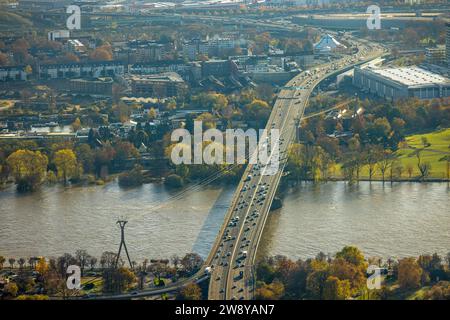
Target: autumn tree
column 272, row 291
column 66, row 164
column 191, row 291
column 335, row 289
column 42, row 266
column 191, row 262
column 76, row 125
column 409, row 273
column 352, row 255
column 124, row 150
column 315, row 283
column 11, row 289
column 4, row 59
column 28, row 168
column 207, row 119
column 257, row 110
column 378, row 132
column 117, row 280
column 102, row 53
column 85, row 156
column 265, row 92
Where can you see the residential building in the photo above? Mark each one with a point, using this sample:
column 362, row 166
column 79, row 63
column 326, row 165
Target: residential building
column 210, row 47
column 42, row 5
column 140, row 51
column 15, row 73
column 447, row 44
column 98, row 86
column 77, row 70
column 435, row 55
column 58, row 34
column 163, row 66
column 168, row 84
column 218, row 68
column 75, row 46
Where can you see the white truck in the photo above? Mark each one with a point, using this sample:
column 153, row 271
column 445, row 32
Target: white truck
column 208, row 270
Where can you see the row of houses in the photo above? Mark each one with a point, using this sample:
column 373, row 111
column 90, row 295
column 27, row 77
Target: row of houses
column 117, row 68
column 15, row 73
column 211, row 47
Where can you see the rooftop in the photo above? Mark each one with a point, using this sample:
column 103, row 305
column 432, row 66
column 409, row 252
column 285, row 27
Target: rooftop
column 162, row 77
column 411, row 76
column 328, row 42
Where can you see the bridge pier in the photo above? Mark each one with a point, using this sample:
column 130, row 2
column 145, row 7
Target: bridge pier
column 277, row 203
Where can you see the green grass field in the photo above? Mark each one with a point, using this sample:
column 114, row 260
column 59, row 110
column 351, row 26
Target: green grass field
column 439, row 147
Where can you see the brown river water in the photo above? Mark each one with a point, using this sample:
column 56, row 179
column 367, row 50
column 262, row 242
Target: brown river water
column 403, row 219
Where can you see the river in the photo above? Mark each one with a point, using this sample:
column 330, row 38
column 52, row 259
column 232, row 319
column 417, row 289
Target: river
column 399, row 220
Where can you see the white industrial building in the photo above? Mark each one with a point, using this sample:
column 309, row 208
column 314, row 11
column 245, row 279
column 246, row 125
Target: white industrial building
column 328, row 44
column 400, row 83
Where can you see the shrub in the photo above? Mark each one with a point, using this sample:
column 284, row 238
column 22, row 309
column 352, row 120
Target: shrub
column 174, row 181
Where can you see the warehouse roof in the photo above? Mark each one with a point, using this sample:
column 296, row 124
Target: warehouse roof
column 411, row 76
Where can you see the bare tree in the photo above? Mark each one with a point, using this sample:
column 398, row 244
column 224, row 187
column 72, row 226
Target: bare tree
column 424, row 167
column 447, row 160
column 92, row 262
column 410, row 170
column 175, row 260
column 82, row 258
column 385, row 163
column 21, row 263
column 108, row 259
column 191, row 262
column 373, row 156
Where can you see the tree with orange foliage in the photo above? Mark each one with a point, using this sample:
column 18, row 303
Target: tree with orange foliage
column 102, row 53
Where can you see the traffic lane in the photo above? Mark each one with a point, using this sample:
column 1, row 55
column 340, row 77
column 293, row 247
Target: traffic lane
column 240, row 259
column 313, row 84
column 252, row 231
column 224, row 258
column 223, row 255
column 253, row 185
column 247, row 282
column 242, row 240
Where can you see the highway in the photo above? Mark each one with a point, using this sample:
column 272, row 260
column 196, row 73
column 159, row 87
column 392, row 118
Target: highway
column 233, row 256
